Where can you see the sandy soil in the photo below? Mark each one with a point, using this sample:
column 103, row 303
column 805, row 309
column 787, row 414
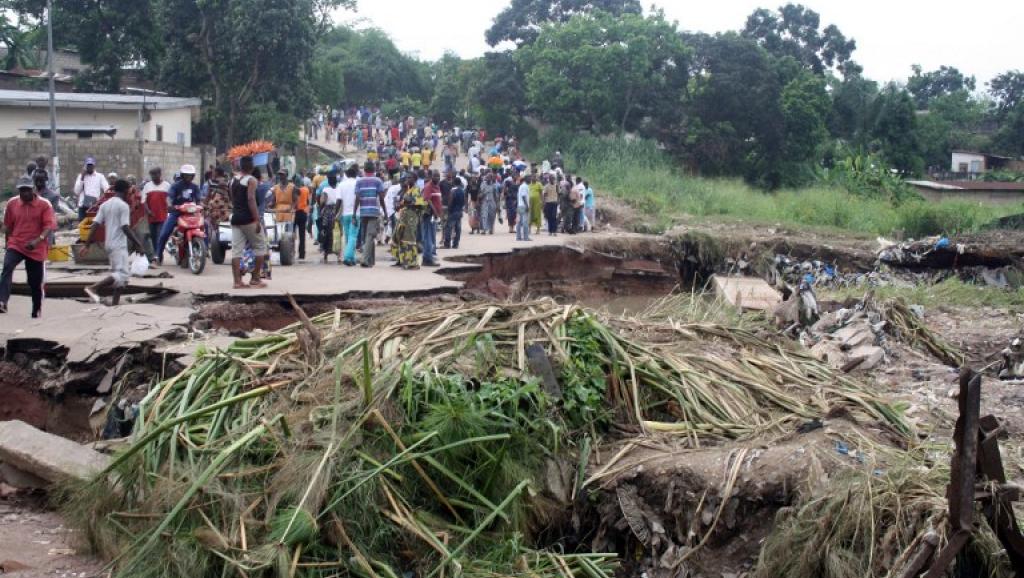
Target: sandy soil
column 35, row 543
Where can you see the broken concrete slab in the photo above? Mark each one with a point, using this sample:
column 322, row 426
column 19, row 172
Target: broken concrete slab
column 19, row 478
column 88, row 333
column 750, row 293
column 865, row 357
column 854, row 335
column 50, row 457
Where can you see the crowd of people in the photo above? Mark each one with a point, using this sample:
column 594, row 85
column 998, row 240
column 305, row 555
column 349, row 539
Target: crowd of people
column 419, row 187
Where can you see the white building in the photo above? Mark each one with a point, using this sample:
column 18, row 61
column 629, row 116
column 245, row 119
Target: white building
column 26, row 114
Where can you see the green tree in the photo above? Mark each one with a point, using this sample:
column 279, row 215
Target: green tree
column 1008, row 91
column 328, row 83
column 850, row 116
column 522, row 20
column 22, row 42
column 604, row 72
column 374, row 69
column 732, row 106
column 497, row 92
column 795, row 31
column 805, row 106
column 449, row 79
column 241, row 56
column 895, row 130
column 952, row 121
column 109, row 35
column 927, row 86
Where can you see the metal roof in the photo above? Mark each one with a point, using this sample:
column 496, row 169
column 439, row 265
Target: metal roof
column 969, row 186
column 91, row 100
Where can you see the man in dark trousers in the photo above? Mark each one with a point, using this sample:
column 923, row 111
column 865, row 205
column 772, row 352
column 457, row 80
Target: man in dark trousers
column 28, row 223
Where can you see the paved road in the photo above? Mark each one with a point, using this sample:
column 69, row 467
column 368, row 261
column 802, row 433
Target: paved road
column 313, row 278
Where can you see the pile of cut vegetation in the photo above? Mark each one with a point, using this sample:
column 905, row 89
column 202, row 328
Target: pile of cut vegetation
column 501, row 439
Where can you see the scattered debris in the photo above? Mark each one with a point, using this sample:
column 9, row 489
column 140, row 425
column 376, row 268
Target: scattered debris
column 426, row 426
column 1012, row 366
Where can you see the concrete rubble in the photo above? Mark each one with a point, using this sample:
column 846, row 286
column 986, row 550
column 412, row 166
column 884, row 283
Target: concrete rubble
column 848, row 339
column 46, row 456
column 88, row 334
column 1012, row 366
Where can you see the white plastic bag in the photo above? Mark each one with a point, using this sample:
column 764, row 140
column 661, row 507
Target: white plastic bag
column 138, row 264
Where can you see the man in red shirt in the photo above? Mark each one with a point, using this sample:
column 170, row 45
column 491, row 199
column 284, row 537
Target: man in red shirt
column 154, row 200
column 428, row 229
column 28, row 222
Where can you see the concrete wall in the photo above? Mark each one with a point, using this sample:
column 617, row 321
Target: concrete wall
column 118, row 156
column 175, row 122
column 967, row 158
column 14, row 120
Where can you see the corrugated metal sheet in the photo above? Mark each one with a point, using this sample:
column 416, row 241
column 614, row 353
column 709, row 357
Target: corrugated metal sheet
column 93, row 100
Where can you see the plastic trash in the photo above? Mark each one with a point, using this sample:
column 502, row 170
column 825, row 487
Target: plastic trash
column 138, row 265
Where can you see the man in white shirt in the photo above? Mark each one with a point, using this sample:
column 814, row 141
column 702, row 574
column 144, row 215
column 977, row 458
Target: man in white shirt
column 115, row 215
column 390, row 200
column 523, row 210
column 346, row 216
column 329, row 198
column 89, row 187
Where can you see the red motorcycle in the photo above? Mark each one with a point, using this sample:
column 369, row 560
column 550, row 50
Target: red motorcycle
column 188, row 242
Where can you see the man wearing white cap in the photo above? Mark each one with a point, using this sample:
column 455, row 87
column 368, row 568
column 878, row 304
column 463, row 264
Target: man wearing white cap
column 89, row 187
column 181, row 192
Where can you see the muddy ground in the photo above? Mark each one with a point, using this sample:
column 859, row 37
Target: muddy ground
column 621, row 275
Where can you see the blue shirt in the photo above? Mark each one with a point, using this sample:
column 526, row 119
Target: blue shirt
column 262, row 195
column 181, row 193
column 588, row 199
column 457, row 200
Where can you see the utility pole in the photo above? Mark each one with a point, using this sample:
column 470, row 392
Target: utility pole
column 55, row 181
column 142, row 138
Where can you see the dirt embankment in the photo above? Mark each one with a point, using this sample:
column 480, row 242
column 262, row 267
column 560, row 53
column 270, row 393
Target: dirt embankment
column 631, row 265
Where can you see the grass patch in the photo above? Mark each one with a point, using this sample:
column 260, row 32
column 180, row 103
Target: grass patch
column 951, row 292
column 640, row 174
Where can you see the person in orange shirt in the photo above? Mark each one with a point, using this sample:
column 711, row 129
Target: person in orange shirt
column 301, row 215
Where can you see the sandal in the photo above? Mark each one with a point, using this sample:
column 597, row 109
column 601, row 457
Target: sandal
column 241, row 286
column 258, row 285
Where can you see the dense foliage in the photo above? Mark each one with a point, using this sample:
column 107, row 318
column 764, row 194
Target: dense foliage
column 857, row 195
column 776, row 102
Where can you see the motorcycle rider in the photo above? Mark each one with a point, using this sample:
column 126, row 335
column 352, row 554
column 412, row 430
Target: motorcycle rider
column 182, row 191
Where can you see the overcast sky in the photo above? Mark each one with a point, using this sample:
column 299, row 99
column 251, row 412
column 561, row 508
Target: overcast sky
column 980, row 37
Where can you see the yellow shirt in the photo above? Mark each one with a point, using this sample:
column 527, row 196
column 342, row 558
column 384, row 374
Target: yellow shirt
column 372, row 156
column 405, row 158
column 426, row 157
column 417, row 158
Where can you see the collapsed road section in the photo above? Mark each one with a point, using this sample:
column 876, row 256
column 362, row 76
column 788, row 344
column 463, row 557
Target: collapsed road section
column 493, row 432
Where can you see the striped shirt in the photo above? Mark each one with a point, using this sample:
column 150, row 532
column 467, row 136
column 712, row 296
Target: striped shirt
column 368, row 190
